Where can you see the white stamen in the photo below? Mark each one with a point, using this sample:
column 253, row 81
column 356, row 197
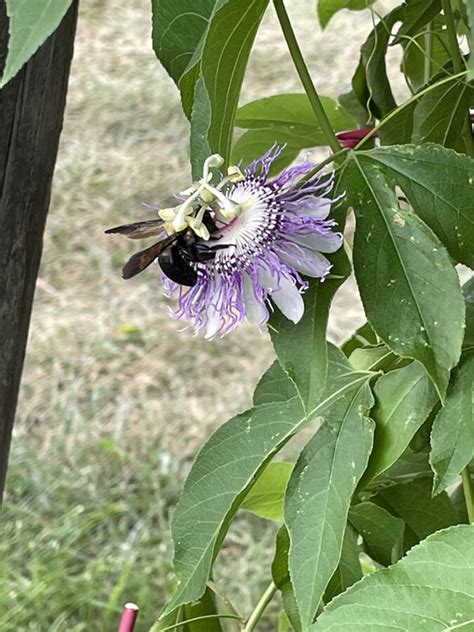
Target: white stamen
column 213, row 161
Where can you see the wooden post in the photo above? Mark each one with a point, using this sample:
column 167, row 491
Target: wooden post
column 31, row 116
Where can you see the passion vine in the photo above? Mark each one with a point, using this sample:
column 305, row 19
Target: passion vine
column 371, row 514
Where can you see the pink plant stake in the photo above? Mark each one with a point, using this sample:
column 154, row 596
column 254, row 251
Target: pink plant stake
column 129, row 617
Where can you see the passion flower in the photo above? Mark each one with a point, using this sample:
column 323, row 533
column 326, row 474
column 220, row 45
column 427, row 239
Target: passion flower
column 269, row 232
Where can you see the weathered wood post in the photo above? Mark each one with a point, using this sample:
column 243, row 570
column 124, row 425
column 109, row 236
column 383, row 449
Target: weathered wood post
column 31, row 117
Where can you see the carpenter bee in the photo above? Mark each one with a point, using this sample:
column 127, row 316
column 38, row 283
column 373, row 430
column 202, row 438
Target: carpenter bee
column 175, row 253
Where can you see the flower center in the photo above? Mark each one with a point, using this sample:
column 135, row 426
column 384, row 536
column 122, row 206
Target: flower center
column 252, row 230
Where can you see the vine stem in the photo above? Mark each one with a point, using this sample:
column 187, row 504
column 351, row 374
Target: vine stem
column 458, row 62
column 332, row 158
column 458, row 65
column 259, row 608
column 468, row 493
column 429, row 52
column 304, row 75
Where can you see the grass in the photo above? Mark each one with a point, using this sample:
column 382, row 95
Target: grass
column 114, row 402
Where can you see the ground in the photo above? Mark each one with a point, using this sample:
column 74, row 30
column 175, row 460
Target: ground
column 115, row 402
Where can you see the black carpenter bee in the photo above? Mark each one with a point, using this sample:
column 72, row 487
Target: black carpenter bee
column 175, row 253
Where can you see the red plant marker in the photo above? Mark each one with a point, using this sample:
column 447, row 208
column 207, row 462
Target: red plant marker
column 129, row 617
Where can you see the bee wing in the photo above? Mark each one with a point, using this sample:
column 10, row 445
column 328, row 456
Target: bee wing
column 139, row 230
column 141, row 260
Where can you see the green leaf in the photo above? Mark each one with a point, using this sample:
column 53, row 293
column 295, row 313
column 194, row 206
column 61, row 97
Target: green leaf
column 430, row 589
column 225, row 53
column 370, row 82
column 229, row 463
column 302, row 350
column 363, row 337
column 295, row 111
column 468, row 290
column 167, row 620
column 284, row 624
column 320, row 491
column 382, row 532
column 327, row 8
column 452, row 436
column 416, row 50
column 410, row 466
column 179, row 31
column 417, row 14
column 348, row 99
column 438, row 184
column 414, row 504
column 441, row 115
column 31, row 23
column 349, row 570
column 397, row 127
column 204, row 607
column 256, row 142
column 372, row 358
column 403, row 400
column 281, row 578
column 285, row 119
column 266, row 496
column 402, row 270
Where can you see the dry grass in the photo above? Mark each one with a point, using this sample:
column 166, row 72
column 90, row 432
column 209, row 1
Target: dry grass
column 106, row 372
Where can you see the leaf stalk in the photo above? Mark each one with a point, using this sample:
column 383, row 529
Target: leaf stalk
column 458, row 65
column 260, row 608
column 468, row 493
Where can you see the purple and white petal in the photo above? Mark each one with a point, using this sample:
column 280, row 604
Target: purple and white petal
column 279, row 231
column 289, row 300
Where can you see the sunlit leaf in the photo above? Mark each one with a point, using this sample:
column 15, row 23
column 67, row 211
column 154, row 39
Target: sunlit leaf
column 431, row 588
column 372, row 358
column 266, row 497
column 31, row 23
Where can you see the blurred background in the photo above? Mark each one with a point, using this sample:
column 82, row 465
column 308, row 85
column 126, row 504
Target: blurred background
column 115, row 402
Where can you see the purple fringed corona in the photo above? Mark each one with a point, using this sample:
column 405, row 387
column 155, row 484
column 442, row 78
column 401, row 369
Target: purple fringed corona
column 269, row 233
